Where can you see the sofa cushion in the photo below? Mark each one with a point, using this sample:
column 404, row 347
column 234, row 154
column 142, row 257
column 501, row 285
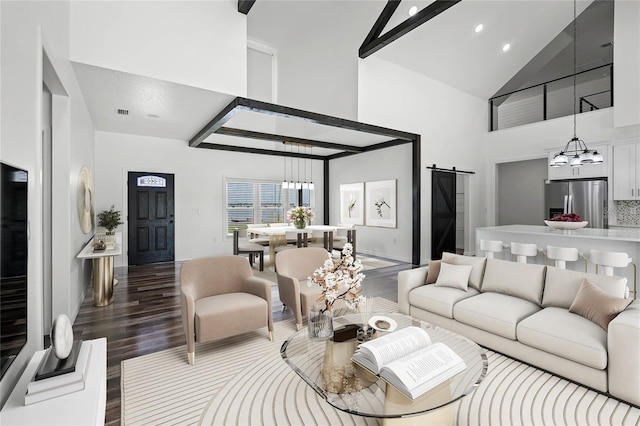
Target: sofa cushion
column 438, row 300
column 578, row 339
column 561, row 286
column 434, row 269
column 494, row 312
column 456, row 276
column 597, row 305
column 523, row 280
column 478, row 263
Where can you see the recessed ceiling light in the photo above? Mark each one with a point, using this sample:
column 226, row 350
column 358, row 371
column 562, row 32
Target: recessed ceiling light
column 506, row 47
column 479, row 28
column 413, row 10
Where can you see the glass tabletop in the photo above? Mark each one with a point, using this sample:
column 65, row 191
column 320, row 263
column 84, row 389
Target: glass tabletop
column 326, row 366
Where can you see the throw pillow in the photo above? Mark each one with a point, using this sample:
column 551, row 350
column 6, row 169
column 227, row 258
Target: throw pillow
column 456, row 276
column 597, row 305
column 434, row 269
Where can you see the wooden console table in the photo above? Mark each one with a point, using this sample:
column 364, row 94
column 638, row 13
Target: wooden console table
column 85, row 407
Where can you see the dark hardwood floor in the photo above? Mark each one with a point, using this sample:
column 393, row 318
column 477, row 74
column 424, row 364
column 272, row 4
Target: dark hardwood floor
column 145, row 316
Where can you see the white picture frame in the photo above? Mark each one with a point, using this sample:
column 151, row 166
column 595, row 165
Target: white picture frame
column 352, row 203
column 381, row 202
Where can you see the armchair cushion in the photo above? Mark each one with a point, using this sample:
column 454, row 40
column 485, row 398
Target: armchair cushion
column 229, row 314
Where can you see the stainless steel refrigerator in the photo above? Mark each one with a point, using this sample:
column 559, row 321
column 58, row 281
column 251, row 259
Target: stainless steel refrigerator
column 588, row 198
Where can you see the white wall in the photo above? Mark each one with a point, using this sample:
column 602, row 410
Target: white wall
column 200, row 225
column 385, row 164
column 28, row 28
column 197, row 43
column 451, row 123
column 626, row 58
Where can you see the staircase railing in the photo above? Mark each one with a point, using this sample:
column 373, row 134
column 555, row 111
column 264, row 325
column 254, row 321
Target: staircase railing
column 553, row 99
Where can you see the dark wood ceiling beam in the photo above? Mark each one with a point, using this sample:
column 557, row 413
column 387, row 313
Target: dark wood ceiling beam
column 244, row 6
column 217, row 122
column 374, row 147
column 260, row 151
column 381, row 22
column 230, row 131
column 317, row 118
column 409, row 24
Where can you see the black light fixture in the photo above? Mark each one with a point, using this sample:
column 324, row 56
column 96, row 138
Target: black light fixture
column 575, row 148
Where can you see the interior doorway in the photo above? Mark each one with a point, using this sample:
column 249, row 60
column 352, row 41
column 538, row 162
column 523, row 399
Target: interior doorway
column 151, row 224
column 443, row 213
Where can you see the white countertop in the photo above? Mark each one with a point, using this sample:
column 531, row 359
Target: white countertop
column 626, row 234
column 88, row 253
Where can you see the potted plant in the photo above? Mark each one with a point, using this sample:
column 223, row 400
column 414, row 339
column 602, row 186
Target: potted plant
column 110, row 220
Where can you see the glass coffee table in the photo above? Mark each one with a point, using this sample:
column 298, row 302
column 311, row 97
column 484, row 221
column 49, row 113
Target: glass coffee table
column 326, row 366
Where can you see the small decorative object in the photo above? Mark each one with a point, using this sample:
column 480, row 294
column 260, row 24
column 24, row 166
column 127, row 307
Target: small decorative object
column 338, row 279
column 99, row 246
column 364, row 335
column 320, row 322
column 109, row 219
column 382, row 323
column 63, row 354
column 61, row 336
column 300, row 216
column 566, row 221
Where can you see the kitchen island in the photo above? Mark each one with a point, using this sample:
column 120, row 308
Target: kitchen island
column 620, row 240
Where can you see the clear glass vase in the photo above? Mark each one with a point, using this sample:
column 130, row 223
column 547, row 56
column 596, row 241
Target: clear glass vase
column 300, row 223
column 320, row 322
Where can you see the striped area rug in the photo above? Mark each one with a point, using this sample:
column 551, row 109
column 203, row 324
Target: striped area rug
column 244, row 381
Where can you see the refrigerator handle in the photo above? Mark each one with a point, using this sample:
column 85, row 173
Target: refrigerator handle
column 568, row 203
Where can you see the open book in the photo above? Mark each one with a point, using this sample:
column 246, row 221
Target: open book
column 408, row 360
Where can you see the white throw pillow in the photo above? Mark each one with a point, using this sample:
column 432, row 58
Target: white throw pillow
column 456, row 276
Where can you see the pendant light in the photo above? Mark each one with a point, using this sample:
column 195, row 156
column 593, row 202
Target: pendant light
column 575, row 148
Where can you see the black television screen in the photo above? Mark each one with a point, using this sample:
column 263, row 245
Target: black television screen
column 13, row 262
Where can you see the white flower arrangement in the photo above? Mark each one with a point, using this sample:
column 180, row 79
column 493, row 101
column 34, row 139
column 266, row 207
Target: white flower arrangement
column 340, row 279
column 300, row 213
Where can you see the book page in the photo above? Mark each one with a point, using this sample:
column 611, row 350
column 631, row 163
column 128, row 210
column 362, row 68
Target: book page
column 423, row 369
column 396, row 345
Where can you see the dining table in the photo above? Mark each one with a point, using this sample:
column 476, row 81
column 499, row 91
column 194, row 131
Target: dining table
column 278, row 236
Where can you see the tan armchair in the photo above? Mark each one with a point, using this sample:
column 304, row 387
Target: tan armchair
column 221, row 298
column 293, row 269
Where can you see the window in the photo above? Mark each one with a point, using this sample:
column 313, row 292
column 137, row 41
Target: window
column 259, row 202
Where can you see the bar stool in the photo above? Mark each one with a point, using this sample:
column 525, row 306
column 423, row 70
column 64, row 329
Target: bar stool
column 562, row 255
column 607, row 260
column 522, row 251
column 491, row 247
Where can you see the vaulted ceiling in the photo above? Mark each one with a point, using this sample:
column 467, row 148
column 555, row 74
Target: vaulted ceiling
column 445, row 48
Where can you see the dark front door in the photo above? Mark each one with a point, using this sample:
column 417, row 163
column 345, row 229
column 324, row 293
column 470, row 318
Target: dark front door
column 151, row 221
column 443, row 213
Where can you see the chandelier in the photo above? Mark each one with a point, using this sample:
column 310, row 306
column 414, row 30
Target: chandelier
column 297, row 185
column 575, row 152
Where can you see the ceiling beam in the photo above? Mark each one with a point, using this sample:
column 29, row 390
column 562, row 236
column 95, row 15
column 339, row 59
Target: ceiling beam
column 244, row 6
column 409, row 24
column 261, row 151
column 317, row 118
column 218, row 121
column 229, row 131
column 381, row 22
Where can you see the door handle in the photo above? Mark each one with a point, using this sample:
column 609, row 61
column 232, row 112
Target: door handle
column 170, row 221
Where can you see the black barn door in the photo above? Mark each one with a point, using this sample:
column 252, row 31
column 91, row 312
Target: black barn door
column 151, row 221
column 443, row 213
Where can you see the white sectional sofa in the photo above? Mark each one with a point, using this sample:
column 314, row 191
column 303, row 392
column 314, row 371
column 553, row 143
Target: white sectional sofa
column 522, row 310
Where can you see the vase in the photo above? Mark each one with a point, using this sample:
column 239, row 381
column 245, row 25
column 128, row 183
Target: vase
column 320, row 322
column 300, row 223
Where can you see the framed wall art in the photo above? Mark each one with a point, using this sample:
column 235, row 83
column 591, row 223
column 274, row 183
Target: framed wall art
column 381, row 203
column 352, row 203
